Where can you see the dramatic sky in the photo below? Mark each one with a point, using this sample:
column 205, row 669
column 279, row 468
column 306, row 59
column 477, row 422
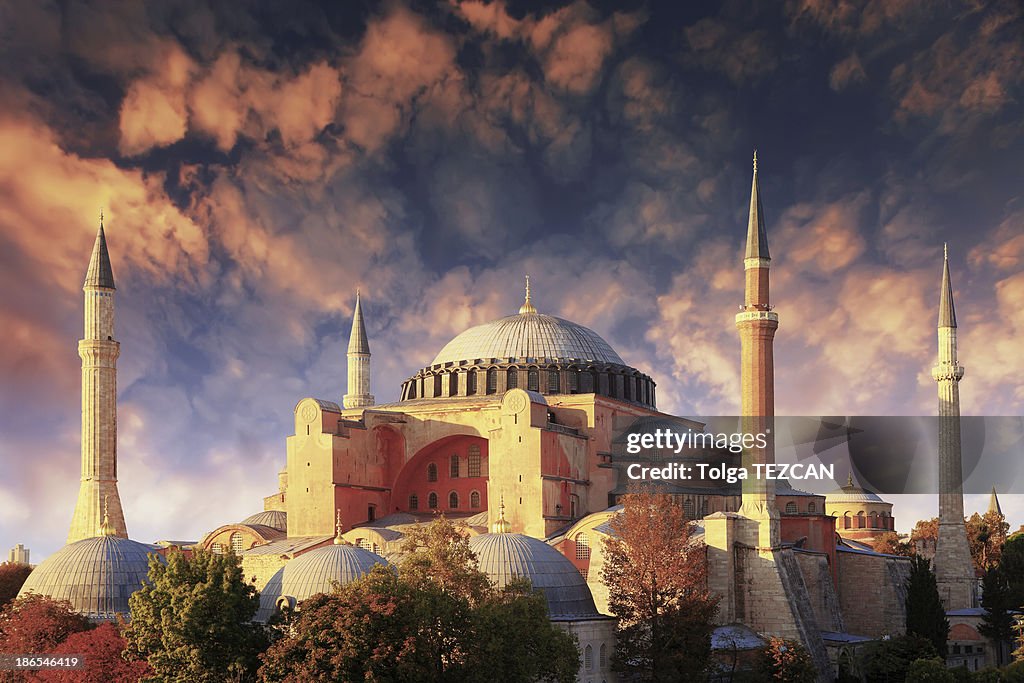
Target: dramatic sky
column 257, row 162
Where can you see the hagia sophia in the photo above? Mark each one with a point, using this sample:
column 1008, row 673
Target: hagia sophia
column 511, row 431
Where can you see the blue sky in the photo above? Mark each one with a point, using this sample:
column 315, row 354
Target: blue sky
column 258, row 162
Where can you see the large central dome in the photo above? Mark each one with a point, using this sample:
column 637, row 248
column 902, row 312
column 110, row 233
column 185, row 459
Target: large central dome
column 528, row 335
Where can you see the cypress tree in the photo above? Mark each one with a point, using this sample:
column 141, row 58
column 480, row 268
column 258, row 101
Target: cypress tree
column 926, row 616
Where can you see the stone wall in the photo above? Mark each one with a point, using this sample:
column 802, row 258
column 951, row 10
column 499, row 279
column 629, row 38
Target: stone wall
column 872, row 592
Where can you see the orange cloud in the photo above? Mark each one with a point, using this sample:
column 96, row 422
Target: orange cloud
column 153, row 112
column 847, row 72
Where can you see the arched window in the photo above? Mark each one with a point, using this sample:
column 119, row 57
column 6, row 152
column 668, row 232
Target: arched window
column 704, row 508
column 453, row 384
column 688, row 508
column 432, row 501
column 812, row 508
column 437, row 385
column 533, row 380
column 790, row 508
column 602, row 660
column 582, row 547
column 454, row 467
column 414, row 502
column 218, row 549
column 553, row 387
column 474, row 500
column 492, row 381
column 364, row 544
column 432, row 472
column 471, row 383
column 453, row 500
column 513, row 379
column 473, row 464
column 236, row 542
column 588, row 658
column 587, row 383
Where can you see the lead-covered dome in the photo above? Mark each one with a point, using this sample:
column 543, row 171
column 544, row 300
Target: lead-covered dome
column 315, row 572
column 528, row 335
column 96, row 575
column 275, row 519
column 505, row 556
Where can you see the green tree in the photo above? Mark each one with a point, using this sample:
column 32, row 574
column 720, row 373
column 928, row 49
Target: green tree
column 996, row 623
column 929, row 671
column 925, row 614
column 192, row 621
column 657, row 589
column 888, row 661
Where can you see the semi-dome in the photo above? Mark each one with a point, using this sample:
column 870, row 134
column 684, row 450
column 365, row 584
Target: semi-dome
column 96, row 575
column 275, row 519
column 315, row 572
column 505, row 556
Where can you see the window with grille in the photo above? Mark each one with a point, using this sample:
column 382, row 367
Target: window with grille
column 454, row 467
column 574, row 381
column 431, row 472
column 492, row 381
column 471, row 383
column 414, row 502
column 474, row 500
column 704, row 508
column 790, row 508
column 587, row 383
column 582, row 547
column 533, row 380
column 812, row 508
column 474, row 461
column 688, row 508
column 552, row 381
column 432, row 501
column 364, row 544
column 453, row 500
column 513, row 379
column 236, row 542
column 218, row 549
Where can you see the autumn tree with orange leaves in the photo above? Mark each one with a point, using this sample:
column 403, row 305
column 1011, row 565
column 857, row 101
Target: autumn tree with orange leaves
column 657, row 589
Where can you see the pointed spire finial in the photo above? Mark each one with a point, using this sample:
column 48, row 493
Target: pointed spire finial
column 358, row 342
column 947, row 312
column 993, row 503
column 100, row 274
column 501, row 525
column 757, row 236
column 527, row 306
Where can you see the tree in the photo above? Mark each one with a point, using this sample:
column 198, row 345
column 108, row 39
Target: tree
column 102, row 648
column 191, row 622
column 657, row 589
column 926, row 616
column 12, row 578
column 787, row 661
column 888, row 661
column 986, row 535
column 929, row 671
column 890, row 543
column 996, row 623
column 438, row 618
column 35, row 624
column 925, row 535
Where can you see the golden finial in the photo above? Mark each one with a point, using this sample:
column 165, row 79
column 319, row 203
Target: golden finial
column 338, row 540
column 105, row 528
column 501, row 525
column 527, row 307
column 849, row 478
column 755, row 160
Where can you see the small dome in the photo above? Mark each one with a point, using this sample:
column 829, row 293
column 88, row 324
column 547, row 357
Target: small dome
column 315, row 572
column 851, row 493
column 275, row 519
column 96, row 575
column 528, row 335
column 506, row 556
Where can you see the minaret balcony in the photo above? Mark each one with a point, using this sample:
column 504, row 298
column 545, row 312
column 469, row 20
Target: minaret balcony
column 746, row 316
column 947, row 372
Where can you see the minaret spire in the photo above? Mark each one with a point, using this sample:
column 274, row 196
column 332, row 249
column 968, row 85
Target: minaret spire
column 358, row 395
column 954, row 570
column 98, row 510
column 756, row 324
column 993, row 503
column 527, row 306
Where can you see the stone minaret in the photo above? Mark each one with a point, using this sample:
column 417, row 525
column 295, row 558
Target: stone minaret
column 97, row 496
column 358, row 395
column 756, row 323
column 954, row 570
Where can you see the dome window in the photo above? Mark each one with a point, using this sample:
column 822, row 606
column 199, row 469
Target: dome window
column 513, row 378
column 533, row 381
column 587, row 383
column 453, row 384
column 470, row 382
column 432, row 472
column 492, row 381
column 553, row 387
column 432, row 501
column 573, row 377
column 437, row 385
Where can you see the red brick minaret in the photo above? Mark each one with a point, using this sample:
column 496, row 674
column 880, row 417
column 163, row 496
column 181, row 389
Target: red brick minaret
column 756, row 323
